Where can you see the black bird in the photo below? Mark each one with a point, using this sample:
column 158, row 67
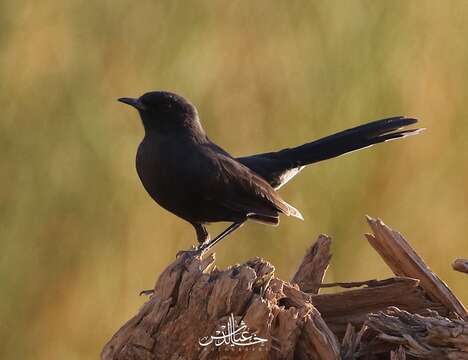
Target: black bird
column 195, row 179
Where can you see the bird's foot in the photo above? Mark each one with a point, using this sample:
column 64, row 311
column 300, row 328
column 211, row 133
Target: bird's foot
column 188, row 253
column 149, row 292
column 194, row 251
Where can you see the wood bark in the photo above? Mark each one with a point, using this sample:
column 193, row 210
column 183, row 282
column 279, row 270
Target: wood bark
column 193, row 304
column 404, row 261
column 311, row 271
column 423, row 337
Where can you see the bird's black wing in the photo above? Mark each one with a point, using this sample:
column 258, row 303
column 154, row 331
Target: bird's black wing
column 279, row 167
column 239, row 189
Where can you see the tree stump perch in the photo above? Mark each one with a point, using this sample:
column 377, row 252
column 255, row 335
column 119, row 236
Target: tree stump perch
column 244, row 312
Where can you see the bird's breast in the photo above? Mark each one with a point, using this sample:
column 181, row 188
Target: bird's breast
column 150, row 169
column 160, row 169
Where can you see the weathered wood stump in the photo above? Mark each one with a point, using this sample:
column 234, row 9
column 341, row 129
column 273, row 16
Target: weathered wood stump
column 245, row 312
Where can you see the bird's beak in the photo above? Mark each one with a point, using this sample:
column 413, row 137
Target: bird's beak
column 136, row 103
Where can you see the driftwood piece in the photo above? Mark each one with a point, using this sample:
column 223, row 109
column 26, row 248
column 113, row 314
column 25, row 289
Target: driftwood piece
column 191, row 303
column 351, row 342
column 353, row 306
column 196, row 310
column 461, row 265
column 398, row 354
column 404, row 261
column 426, row 337
column 310, row 273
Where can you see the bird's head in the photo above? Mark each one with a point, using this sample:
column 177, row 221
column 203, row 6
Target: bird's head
column 165, row 112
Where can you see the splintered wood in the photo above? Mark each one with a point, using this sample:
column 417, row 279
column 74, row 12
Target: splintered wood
column 310, row 273
column 429, row 337
column 245, row 312
column 404, row 261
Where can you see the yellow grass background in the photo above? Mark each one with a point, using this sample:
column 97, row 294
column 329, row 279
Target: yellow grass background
column 80, row 237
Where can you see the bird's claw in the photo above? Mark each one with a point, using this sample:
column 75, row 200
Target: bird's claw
column 188, row 253
column 194, row 251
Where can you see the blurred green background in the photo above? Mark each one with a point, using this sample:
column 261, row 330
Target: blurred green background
column 80, row 237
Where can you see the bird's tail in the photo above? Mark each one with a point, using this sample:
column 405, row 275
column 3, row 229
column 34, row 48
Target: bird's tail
column 349, row 140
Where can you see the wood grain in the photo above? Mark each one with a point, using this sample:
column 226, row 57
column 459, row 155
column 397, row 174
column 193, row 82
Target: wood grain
column 413, row 314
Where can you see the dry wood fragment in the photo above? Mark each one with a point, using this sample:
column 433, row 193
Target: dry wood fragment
column 404, row 261
column 310, row 273
column 461, row 265
column 191, row 302
column 351, row 342
column 353, row 306
column 426, row 337
column 399, row 354
column 317, row 341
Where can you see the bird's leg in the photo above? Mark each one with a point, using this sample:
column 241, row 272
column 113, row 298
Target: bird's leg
column 202, row 236
column 209, row 244
column 202, row 233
